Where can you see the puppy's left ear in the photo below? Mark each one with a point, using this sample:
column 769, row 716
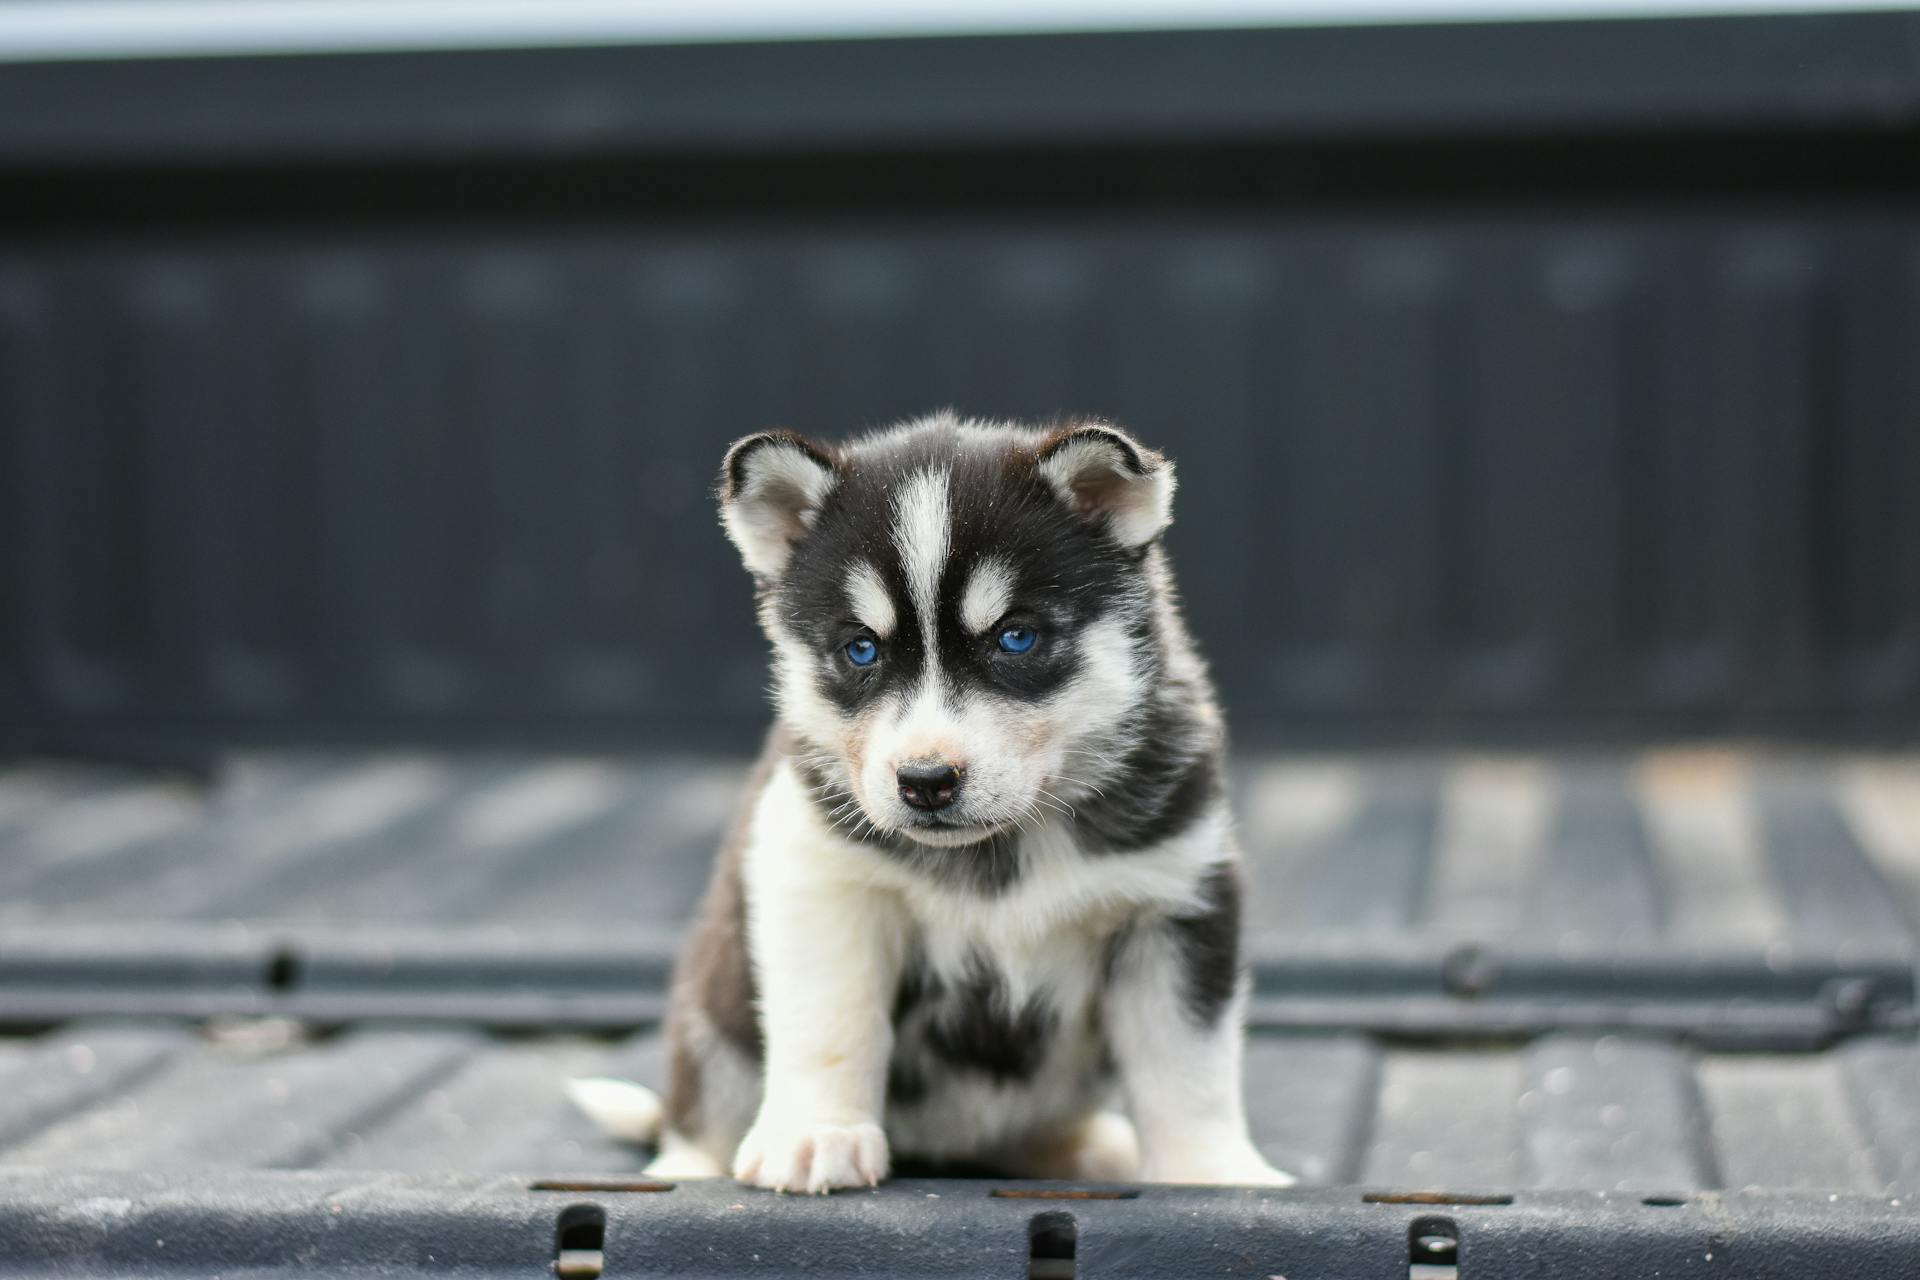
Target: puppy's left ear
column 1107, row 476
column 771, row 489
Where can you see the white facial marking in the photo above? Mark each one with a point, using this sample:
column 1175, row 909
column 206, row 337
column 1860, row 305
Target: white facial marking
column 921, row 516
column 871, row 603
column 989, row 592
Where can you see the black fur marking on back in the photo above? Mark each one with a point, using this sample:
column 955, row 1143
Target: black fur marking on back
column 1209, row 943
column 975, row 1027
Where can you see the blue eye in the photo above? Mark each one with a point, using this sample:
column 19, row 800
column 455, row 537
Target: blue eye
column 863, row 652
column 1017, row 639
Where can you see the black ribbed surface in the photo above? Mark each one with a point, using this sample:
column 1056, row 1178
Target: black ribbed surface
column 377, row 397
column 1757, row 897
column 1669, row 976
column 1559, row 1112
column 1704, row 848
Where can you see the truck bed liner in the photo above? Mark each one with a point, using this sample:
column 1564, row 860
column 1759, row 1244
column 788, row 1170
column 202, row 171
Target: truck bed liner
column 1620, row 1012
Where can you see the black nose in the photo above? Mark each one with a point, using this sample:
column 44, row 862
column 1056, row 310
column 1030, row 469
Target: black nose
column 928, row 786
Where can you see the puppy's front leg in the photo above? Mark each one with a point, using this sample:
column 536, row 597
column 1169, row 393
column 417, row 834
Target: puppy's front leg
column 1174, row 1009
column 827, row 956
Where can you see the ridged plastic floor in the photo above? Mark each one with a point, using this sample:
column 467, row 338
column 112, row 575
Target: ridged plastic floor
column 1693, row 848
column 1600, row 1015
column 1560, row 1112
column 1762, row 897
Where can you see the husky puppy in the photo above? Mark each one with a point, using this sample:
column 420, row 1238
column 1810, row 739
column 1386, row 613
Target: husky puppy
column 983, row 885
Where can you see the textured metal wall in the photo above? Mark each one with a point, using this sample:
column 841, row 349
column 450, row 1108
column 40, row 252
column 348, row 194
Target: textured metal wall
column 1599, row 464
column 1480, row 469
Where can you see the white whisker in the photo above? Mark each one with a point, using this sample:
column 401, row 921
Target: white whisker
column 1065, row 808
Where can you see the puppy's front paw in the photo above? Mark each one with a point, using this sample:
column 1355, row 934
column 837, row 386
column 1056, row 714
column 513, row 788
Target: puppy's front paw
column 812, row 1157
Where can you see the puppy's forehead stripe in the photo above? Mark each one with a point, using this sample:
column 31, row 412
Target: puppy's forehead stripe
column 922, row 511
column 868, row 596
column 989, row 592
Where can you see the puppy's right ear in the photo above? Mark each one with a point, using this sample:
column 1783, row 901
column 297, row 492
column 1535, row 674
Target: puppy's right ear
column 771, row 488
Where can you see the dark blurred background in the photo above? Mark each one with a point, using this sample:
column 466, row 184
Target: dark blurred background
column 1529, row 382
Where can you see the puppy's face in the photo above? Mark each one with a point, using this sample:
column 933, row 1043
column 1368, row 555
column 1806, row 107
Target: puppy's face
column 960, row 615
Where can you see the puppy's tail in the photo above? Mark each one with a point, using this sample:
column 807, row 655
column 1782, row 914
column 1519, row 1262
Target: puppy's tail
column 628, row 1111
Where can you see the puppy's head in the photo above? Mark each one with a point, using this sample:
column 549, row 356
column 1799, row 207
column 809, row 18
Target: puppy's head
column 960, row 613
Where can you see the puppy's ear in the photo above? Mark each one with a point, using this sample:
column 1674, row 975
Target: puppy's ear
column 1106, row 476
column 771, row 488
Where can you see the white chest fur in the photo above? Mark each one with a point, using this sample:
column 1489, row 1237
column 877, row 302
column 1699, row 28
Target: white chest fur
column 995, row 996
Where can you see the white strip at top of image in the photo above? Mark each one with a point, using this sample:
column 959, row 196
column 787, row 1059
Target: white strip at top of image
column 59, row 30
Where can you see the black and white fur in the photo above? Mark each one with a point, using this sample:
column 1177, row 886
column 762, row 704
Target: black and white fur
column 981, row 984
